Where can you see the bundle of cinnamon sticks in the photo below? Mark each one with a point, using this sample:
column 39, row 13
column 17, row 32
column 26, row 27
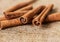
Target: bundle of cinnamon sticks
column 24, row 13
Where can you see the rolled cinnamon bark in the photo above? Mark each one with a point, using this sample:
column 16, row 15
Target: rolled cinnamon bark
column 9, row 23
column 20, row 5
column 53, row 17
column 4, row 17
column 28, row 16
column 50, row 7
column 41, row 17
column 12, row 15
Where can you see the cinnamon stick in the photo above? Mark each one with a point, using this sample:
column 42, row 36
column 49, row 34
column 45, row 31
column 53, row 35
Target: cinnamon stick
column 9, row 23
column 4, row 17
column 53, row 17
column 28, row 16
column 12, row 15
column 18, row 6
column 41, row 17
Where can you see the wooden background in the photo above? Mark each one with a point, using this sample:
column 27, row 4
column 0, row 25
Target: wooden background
column 27, row 33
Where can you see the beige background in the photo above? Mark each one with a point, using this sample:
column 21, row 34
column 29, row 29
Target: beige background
column 28, row 33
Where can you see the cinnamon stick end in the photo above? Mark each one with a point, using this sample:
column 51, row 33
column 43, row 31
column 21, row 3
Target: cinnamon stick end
column 23, row 20
column 35, row 23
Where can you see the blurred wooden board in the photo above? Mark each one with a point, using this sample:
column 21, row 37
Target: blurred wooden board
column 28, row 33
